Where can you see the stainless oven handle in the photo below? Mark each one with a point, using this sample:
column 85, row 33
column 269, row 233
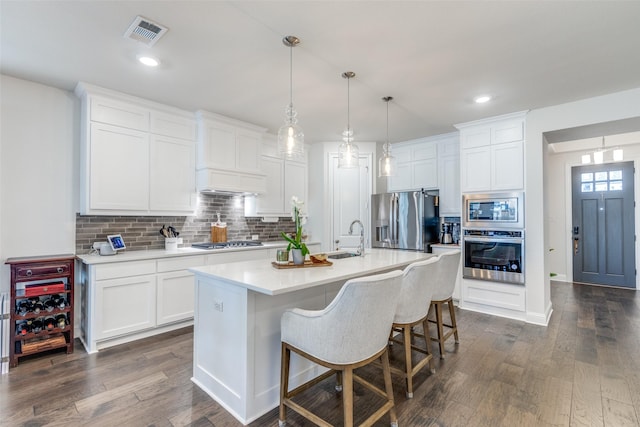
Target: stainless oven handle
column 494, row 240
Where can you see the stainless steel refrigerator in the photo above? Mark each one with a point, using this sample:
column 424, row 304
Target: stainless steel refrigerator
column 405, row 220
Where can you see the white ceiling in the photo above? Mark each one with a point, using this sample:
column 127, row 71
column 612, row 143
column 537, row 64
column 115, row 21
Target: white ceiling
column 432, row 57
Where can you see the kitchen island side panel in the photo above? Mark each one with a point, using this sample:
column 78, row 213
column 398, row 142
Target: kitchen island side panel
column 237, row 349
column 220, row 343
column 266, row 345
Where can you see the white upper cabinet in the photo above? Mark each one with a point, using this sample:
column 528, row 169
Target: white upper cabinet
column 475, row 169
column 228, row 156
column 284, row 179
column 430, row 163
column 248, row 150
column 172, row 178
column 118, row 113
column 417, row 165
column 118, row 167
column 272, row 201
column 173, row 125
column 449, row 174
column 492, row 153
column 137, row 156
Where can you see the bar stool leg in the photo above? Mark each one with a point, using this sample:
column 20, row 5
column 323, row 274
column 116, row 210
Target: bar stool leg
column 407, row 360
column 440, row 324
column 427, row 339
column 284, row 383
column 386, row 372
column 452, row 314
column 347, row 396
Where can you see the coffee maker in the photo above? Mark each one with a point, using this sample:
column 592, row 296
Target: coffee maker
column 445, row 236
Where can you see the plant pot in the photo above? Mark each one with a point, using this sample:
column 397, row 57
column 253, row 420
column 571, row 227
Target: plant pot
column 298, row 258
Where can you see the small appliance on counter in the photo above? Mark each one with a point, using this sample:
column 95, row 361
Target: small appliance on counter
column 445, row 235
column 114, row 243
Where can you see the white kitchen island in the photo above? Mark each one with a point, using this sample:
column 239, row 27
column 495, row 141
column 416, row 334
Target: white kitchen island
column 236, row 357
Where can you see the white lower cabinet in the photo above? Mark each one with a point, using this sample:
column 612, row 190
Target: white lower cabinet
column 175, row 289
column 125, row 305
column 123, row 301
column 174, row 297
column 498, row 299
column 128, row 300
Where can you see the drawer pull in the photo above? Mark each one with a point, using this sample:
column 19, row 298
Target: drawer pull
column 29, row 273
column 60, row 269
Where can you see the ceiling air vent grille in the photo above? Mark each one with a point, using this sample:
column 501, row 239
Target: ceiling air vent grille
column 145, row 31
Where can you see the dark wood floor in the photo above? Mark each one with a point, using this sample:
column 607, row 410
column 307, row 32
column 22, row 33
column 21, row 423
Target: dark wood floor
column 581, row 370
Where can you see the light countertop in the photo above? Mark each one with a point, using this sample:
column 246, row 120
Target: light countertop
column 260, row 276
column 445, row 245
column 93, row 259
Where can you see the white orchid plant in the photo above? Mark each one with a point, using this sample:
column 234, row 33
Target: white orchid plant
column 300, row 219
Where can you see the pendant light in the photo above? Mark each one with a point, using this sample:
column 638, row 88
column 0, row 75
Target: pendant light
column 290, row 135
column 387, row 163
column 348, row 153
column 598, row 155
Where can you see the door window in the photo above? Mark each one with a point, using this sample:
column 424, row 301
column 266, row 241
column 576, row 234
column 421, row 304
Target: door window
column 601, row 181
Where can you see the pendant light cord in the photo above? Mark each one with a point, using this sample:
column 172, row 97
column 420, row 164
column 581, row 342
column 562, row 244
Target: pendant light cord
column 291, row 75
column 387, row 145
column 348, row 108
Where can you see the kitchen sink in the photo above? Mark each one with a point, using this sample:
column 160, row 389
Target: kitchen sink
column 342, row 255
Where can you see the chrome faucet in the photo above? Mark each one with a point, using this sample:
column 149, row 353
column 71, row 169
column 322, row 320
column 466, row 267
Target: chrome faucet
column 361, row 245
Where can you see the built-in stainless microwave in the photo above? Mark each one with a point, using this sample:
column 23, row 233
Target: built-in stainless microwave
column 493, row 210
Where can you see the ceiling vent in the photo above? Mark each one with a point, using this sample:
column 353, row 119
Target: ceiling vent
column 145, row 31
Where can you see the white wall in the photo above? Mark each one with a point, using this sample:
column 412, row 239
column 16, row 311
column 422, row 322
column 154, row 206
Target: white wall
column 39, row 142
column 616, row 106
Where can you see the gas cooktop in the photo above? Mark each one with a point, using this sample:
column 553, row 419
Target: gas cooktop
column 229, row 244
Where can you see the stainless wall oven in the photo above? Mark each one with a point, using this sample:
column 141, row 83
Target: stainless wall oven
column 495, row 255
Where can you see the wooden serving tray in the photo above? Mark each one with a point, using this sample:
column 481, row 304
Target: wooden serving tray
column 307, row 263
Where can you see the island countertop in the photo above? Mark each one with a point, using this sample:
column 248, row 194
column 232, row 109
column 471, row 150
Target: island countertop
column 260, row 276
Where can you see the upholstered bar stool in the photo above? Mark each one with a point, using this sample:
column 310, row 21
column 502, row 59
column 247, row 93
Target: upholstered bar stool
column 351, row 332
column 447, row 271
column 418, row 280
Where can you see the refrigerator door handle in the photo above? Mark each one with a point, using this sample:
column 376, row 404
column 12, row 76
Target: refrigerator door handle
column 393, row 219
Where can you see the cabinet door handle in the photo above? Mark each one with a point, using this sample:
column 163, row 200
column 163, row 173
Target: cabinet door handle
column 29, row 272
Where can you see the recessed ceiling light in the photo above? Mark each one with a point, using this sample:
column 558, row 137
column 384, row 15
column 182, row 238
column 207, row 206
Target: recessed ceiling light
column 482, row 99
column 149, row 61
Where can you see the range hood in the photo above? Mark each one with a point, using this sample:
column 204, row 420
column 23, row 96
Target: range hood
column 228, row 156
column 221, row 181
